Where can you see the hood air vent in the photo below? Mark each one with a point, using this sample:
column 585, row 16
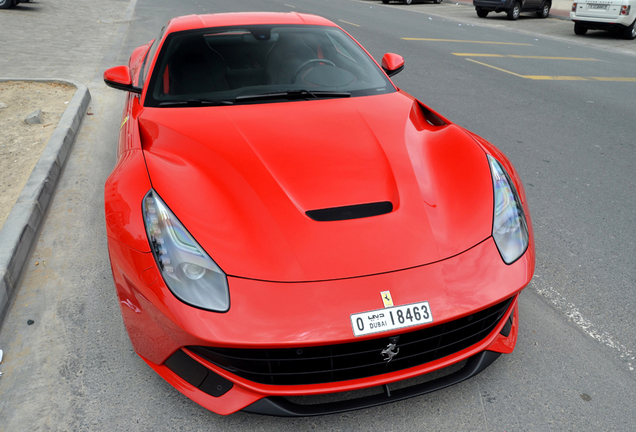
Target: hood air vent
column 350, row 212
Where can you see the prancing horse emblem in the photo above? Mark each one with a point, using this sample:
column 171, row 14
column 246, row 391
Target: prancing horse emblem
column 389, row 353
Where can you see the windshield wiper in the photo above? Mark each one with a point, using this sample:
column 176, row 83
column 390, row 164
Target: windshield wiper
column 196, row 103
column 294, row 94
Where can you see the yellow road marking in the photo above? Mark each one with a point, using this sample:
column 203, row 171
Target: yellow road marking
column 466, row 41
column 347, row 22
column 556, row 77
column 494, row 67
column 290, row 6
column 524, row 57
column 613, row 79
column 478, row 55
column 575, row 78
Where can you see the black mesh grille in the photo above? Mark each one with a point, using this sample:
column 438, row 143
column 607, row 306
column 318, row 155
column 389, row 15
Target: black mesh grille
column 330, row 363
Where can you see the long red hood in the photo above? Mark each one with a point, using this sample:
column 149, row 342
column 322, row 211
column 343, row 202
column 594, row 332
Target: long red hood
column 241, row 178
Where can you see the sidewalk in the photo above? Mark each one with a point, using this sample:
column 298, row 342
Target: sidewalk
column 69, row 45
column 57, row 38
column 43, row 385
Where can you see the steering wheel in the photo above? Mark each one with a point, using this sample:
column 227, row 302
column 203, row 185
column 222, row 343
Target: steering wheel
column 307, row 63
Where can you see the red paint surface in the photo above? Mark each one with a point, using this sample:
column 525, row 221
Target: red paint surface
column 240, row 178
column 253, row 171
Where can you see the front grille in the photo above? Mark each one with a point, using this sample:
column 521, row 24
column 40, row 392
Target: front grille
column 341, row 362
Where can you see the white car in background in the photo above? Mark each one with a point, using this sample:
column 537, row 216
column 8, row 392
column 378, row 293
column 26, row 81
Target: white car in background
column 617, row 16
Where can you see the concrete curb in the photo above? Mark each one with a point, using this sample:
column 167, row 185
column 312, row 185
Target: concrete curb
column 21, row 229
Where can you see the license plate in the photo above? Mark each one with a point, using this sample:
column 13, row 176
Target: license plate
column 599, row 6
column 392, row 318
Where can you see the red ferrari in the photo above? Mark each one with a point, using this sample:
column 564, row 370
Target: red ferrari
column 284, row 222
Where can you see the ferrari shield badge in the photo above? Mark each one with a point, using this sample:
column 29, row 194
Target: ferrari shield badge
column 386, row 298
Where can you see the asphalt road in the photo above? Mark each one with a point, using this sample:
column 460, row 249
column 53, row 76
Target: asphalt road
column 561, row 107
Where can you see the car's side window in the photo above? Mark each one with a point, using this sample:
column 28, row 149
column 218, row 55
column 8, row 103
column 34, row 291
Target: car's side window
column 149, row 57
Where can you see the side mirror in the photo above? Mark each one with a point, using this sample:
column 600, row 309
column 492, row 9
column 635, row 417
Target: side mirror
column 392, row 63
column 118, row 77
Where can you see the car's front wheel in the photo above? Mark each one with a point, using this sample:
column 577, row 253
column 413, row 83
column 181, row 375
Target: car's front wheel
column 437, row 1
column 6, row 4
column 545, row 10
column 385, row 1
column 515, row 11
column 630, row 32
column 579, row 29
column 481, row 13
column 408, row 1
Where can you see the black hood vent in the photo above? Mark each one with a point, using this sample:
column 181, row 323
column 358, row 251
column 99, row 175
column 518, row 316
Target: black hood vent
column 350, row 212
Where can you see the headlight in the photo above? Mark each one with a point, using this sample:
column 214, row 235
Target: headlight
column 509, row 229
column 192, row 276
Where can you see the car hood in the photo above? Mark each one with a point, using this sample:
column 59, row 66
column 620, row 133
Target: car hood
column 241, row 179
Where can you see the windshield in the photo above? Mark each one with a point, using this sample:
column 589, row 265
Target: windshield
column 259, row 64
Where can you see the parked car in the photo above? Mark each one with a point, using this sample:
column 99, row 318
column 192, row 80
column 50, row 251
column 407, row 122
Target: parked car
column 284, row 221
column 512, row 8
column 616, row 16
column 6, row 4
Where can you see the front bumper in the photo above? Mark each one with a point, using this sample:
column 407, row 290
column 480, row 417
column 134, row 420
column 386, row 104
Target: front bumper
column 620, row 23
column 284, row 407
column 285, row 315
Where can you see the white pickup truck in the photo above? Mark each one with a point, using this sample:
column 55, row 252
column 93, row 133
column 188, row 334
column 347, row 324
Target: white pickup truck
column 617, row 16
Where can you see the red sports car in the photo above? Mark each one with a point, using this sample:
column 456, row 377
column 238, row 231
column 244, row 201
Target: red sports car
column 284, row 222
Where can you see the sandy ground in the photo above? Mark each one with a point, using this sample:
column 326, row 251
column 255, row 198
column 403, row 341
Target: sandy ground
column 21, row 144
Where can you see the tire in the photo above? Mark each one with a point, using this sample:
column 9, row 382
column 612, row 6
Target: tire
column 481, row 13
column 385, row 1
column 545, row 10
column 408, row 1
column 579, row 29
column 437, row 1
column 630, row 32
column 514, row 12
column 6, row 4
